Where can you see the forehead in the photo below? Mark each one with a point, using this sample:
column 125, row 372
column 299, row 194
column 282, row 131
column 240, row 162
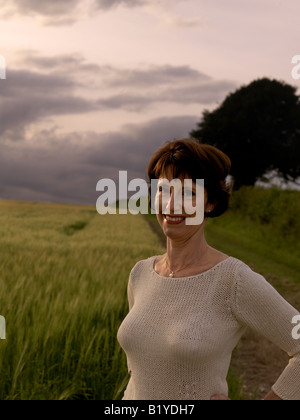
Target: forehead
column 171, row 173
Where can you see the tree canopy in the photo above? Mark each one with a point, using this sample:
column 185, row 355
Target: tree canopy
column 258, row 126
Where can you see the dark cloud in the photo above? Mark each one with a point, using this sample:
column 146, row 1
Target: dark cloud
column 28, row 97
column 114, row 77
column 46, row 7
column 73, row 63
column 62, row 12
column 67, row 168
column 68, row 12
column 52, row 89
column 108, row 4
column 132, row 147
column 202, row 94
column 58, row 7
column 154, row 75
column 21, row 83
column 47, row 166
column 156, row 84
column 128, row 102
column 15, row 116
column 52, row 12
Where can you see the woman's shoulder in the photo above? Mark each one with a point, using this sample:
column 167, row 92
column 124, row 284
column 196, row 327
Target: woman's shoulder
column 245, row 270
column 240, row 277
column 248, row 281
column 241, row 270
column 143, row 267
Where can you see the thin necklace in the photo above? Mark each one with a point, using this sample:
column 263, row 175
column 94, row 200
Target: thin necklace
column 173, row 272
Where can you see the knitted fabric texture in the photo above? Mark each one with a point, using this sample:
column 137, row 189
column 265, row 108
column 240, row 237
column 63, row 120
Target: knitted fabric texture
column 180, row 332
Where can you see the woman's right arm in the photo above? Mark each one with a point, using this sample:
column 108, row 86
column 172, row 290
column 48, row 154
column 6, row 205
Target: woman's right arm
column 260, row 307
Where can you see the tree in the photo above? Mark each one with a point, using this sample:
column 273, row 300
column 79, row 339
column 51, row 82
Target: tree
column 258, row 126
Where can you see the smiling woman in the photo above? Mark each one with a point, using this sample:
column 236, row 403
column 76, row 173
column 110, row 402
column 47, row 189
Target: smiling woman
column 189, row 308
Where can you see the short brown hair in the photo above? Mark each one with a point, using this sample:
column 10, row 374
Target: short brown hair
column 188, row 157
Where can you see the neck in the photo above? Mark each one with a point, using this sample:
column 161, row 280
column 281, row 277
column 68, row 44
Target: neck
column 186, row 252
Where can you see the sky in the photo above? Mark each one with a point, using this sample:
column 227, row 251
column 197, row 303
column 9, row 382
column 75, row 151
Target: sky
column 94, row 87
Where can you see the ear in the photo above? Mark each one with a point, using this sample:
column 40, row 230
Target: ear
column 210, row 206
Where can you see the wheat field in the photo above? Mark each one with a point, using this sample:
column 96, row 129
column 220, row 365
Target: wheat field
column 63, row 292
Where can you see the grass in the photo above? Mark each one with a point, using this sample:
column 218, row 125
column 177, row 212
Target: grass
column 63, row 292
column 262, row 229
column 255, row 244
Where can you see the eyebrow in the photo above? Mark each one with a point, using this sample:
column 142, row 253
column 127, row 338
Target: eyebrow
column 165, row 181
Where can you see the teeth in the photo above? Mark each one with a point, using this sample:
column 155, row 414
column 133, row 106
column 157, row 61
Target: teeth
column 175, row 219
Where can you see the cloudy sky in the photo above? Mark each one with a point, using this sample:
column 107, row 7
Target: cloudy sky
column 96, row 86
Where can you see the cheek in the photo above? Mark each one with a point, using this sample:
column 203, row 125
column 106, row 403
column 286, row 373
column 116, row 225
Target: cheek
column 158, row 203
column 189, row 205
column 160, row 218
column 196, row 203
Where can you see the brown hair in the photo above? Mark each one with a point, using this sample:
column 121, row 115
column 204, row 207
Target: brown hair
column 198, row 161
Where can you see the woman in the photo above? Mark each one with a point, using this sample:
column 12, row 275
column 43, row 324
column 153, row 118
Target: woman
column 190, row 306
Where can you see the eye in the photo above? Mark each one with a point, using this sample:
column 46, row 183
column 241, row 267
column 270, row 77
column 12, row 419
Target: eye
column 189, row 193
column 163, row 189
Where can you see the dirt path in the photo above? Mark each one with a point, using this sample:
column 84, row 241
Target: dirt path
column 256, row 361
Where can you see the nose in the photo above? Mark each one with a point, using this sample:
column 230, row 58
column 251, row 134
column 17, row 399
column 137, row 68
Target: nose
column 174, row 205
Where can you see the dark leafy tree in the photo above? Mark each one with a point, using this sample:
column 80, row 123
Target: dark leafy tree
column 258, row 126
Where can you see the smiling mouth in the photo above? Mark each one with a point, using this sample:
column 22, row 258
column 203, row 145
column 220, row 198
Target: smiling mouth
column 174, row 220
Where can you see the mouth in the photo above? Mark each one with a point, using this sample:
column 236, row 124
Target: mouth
column 174, row 220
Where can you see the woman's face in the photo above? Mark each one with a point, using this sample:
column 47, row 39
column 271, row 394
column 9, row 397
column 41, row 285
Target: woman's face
column 180, row 208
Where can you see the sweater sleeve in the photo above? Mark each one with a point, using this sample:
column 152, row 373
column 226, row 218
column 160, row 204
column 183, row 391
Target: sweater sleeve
column 134, row 273
column 130, row 292
column 257, row 305
column 130, row 297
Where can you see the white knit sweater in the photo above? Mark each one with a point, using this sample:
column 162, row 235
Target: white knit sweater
column 180, row 332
